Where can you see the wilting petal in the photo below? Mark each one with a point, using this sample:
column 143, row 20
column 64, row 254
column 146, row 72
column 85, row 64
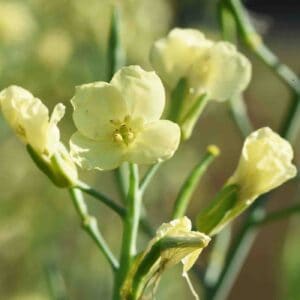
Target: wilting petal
column 95, row 105
column 172, row 57
column 89, row 154
column 142, row 91
column 157, row 141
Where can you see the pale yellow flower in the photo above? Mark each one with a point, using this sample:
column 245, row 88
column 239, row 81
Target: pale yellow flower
column 216, row 69
column 29, row 118
column 265, row 163
column 119, row 121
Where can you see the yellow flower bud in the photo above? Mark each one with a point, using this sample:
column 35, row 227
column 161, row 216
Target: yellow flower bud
column 30, row 120
column 265, row 163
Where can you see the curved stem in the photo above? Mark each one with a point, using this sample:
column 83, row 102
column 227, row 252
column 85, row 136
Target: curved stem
column 103, row 198
column 148, row 176
column 283, row 72
column 89, row 224
column 192, row 181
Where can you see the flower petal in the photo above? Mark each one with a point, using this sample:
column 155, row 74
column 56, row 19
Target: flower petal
column 142, row 91
column 158, row 141
column 172, row 57
column 265, row 163
column 89, row 154
column 221, row 73
column 95, row 104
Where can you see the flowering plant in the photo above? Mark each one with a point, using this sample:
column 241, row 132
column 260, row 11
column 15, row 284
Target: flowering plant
column 141, row 118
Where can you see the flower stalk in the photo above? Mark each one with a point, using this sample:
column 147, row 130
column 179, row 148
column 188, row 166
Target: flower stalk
column 190, row 184
column 131, row 224
column 89, row 224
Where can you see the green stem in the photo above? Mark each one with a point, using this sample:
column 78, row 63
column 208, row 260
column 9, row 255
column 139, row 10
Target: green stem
column 277, row 215
column 238, row 111
column 115, row 52
column 192, row 181
column 89, row 224
column 283, row 72
column 121, row 175
column 148, row 176
column 217, row 256
column 236, row 104
column 103, row 198
column 131, row 225
column 237, row 252
column 247, row 233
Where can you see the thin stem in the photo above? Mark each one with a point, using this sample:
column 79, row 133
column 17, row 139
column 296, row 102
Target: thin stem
column 247, row 233
column 89, row 224
column 148, row 176
column 103, row 198
column 255, row 43
column 238, row 251
column 131, row 224
column 283, row 72
column 277, row 215
column 190, row 184
column 217, row 256
column 238, row 111
column 115, row 51
column 121, row 175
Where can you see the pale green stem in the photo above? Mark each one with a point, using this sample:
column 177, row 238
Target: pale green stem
column 191, row 183
column 131, row 224
column 148, row 176
column 103, row 198
column 121, row 175
column 247, row 233
column 277, row 215
column 217, row 256
column 283, row 72
column 89, row 224
column 238, row 111
column 115, row 51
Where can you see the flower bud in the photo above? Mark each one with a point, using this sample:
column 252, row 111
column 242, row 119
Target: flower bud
column 29, row 118
column 265, row 163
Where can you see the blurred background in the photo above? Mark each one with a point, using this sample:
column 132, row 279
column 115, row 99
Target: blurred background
column 49, row 47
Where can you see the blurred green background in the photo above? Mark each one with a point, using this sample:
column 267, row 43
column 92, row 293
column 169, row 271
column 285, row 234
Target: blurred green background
column 49, row 47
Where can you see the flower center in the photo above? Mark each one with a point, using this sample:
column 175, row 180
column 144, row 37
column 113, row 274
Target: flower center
column 123, row 133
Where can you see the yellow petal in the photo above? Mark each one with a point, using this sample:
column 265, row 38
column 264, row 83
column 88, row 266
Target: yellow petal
column 221, row 72
column 142, row 91
column 156, row 142
column 90, row 154
column 29, row 118
column 95, row 105
column 173, row 56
